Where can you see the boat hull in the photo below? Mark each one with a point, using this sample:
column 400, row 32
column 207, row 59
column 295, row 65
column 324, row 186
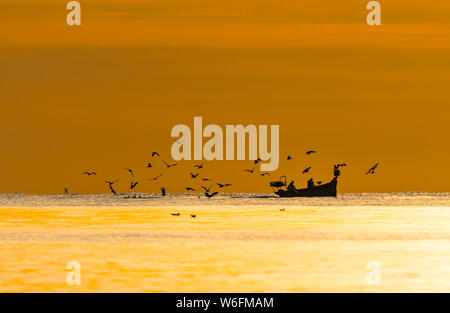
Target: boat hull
column 325, row 190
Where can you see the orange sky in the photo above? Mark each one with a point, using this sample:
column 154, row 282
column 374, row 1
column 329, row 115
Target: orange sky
column 103, row 96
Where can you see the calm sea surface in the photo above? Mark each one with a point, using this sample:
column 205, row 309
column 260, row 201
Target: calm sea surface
column 236, row 243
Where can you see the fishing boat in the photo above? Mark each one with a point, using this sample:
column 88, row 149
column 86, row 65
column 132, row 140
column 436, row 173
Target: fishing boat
column 324, row 190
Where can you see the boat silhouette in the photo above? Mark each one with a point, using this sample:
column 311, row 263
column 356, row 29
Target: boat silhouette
column 325, row 190
column 282, row 189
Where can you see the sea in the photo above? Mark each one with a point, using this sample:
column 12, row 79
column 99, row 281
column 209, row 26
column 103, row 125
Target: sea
column 369, row 242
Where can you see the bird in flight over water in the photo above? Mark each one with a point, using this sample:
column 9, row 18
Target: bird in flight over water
column 133, row 184
column 189, row 189
column 199, row 166
column 306, row 170
column 110, row 183
column 265, row 173
column 89, row 173
column 211, row 195
column 130, row 171
column 194, row 175
column 223, row 185
column 206, row 189
column 289, row 158
column 169, row 165
column 155, row 178
column 310, row 152
column 372, row 169
column 250, row 171
column 155, row 153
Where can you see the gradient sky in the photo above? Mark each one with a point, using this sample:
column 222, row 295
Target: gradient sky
column 103, row 96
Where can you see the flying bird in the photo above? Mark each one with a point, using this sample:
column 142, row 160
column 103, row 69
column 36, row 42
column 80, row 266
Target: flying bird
column 89, row 173
column 199, row 166
column 372, row 169
column 306, row 170
column 189, row 189
column 257, row 160
column 206, row 179
column 155, row 178
column 265, row 173
column 250, row 171
column 223, row 185
column 163, row 191
column 175, row 214
column 211, row 195
column 193, row 215
column 130, row 171
column 206, row 189
column 155, row 153
column 110, row 183
column 310, row 152
column 289, row 158
column 194, row 175
column 133, row 184
column 169, row 165
column 149, row 165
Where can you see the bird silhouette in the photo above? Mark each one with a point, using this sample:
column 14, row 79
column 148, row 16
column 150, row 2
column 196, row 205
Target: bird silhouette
column 155, row 153
column 206, row 179
column 189, row 189
column 149, row 165
column 156, row 177
column 257, row 160
column 169, row 165
column 130, row 171
column 206, row 189
column 265, row 173
column 211, row 195
column 250, row 171
column 306, row 170
column 223, row 185
column 372, row 169
column 133, row 184
column 194, row 175
column 289, row 158
column 310, row 152
column 193, row 215
column 89, row 173
column 163, row 191
column 199, row 166
column 339, row 165
column 175, row 214
column 110, row 183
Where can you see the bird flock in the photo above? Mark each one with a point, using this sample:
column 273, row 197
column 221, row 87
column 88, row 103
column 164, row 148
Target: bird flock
column 195, row 176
